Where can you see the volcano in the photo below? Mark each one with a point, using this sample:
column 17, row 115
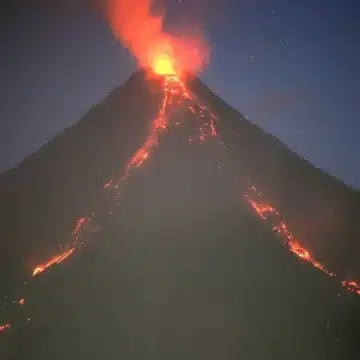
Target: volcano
column 184, row 231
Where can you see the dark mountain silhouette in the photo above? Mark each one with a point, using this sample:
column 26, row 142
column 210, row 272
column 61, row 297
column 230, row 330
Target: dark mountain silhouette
column 184, row 269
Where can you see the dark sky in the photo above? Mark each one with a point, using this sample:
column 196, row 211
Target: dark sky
column 291, row 66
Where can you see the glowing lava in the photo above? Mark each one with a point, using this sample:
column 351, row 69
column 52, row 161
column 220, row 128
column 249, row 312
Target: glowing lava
column 163, row 64
column 352, row 286
column 159, row 124
column 268, row 213
column 175, row 96
column 55, row 260
column 4, row 327
column 174, row 87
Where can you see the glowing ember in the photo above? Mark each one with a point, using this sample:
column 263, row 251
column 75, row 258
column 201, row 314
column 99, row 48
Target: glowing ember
column 79, row 224
column 352, row 286
column 4, row 327
column 21, row 301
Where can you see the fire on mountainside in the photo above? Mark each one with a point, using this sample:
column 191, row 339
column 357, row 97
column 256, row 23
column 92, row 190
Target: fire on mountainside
column 269, row 214
column 175, row 94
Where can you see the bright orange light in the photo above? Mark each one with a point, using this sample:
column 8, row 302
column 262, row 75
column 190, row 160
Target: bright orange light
column 4, row 327
column 55, row 260
column 161, row 58
column 143, row 33
column 163, row 65
column 264, row 211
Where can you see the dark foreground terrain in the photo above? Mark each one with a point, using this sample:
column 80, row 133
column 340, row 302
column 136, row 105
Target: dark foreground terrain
column 184, row 269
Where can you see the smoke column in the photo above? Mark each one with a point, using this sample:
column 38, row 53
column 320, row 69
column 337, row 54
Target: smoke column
column 142, row 32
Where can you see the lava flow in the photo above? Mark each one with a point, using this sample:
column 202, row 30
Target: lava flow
column 55, row 260
column 268, row 213
column 175, row 95
column 4, row 327
column 172, row 86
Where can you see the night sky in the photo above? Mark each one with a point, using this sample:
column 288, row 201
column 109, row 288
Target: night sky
column 291, row 66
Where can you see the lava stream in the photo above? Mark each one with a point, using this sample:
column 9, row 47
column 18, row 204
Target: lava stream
column 55, row 260
column 4, row 327
column 268, row 213
column 173, row 88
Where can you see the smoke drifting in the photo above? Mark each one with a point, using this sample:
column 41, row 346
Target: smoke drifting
column 142, row 32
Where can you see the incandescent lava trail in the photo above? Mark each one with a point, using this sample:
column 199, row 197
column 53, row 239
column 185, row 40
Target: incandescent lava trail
column 175, row 96
column 268, row 213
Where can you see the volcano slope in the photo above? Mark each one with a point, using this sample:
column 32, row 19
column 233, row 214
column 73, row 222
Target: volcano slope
column 183, row 267
column 320, row 210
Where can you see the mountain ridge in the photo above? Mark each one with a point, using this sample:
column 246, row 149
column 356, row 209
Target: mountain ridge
column 290, row 182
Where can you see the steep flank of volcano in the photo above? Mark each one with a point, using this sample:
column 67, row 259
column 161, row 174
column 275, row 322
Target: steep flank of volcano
column 42, row 198
column 323, row 213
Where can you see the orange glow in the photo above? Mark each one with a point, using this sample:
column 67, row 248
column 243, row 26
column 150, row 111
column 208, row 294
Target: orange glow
column 4, row 327
column 158, row 124
column 21, row 301
column 108, row 185
column 55, row 260
column 161, row 59
column 173, row 87
column 78, row 226
column 138, row 29
column 163, row 65
column 352, row 286
column 279, row 226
